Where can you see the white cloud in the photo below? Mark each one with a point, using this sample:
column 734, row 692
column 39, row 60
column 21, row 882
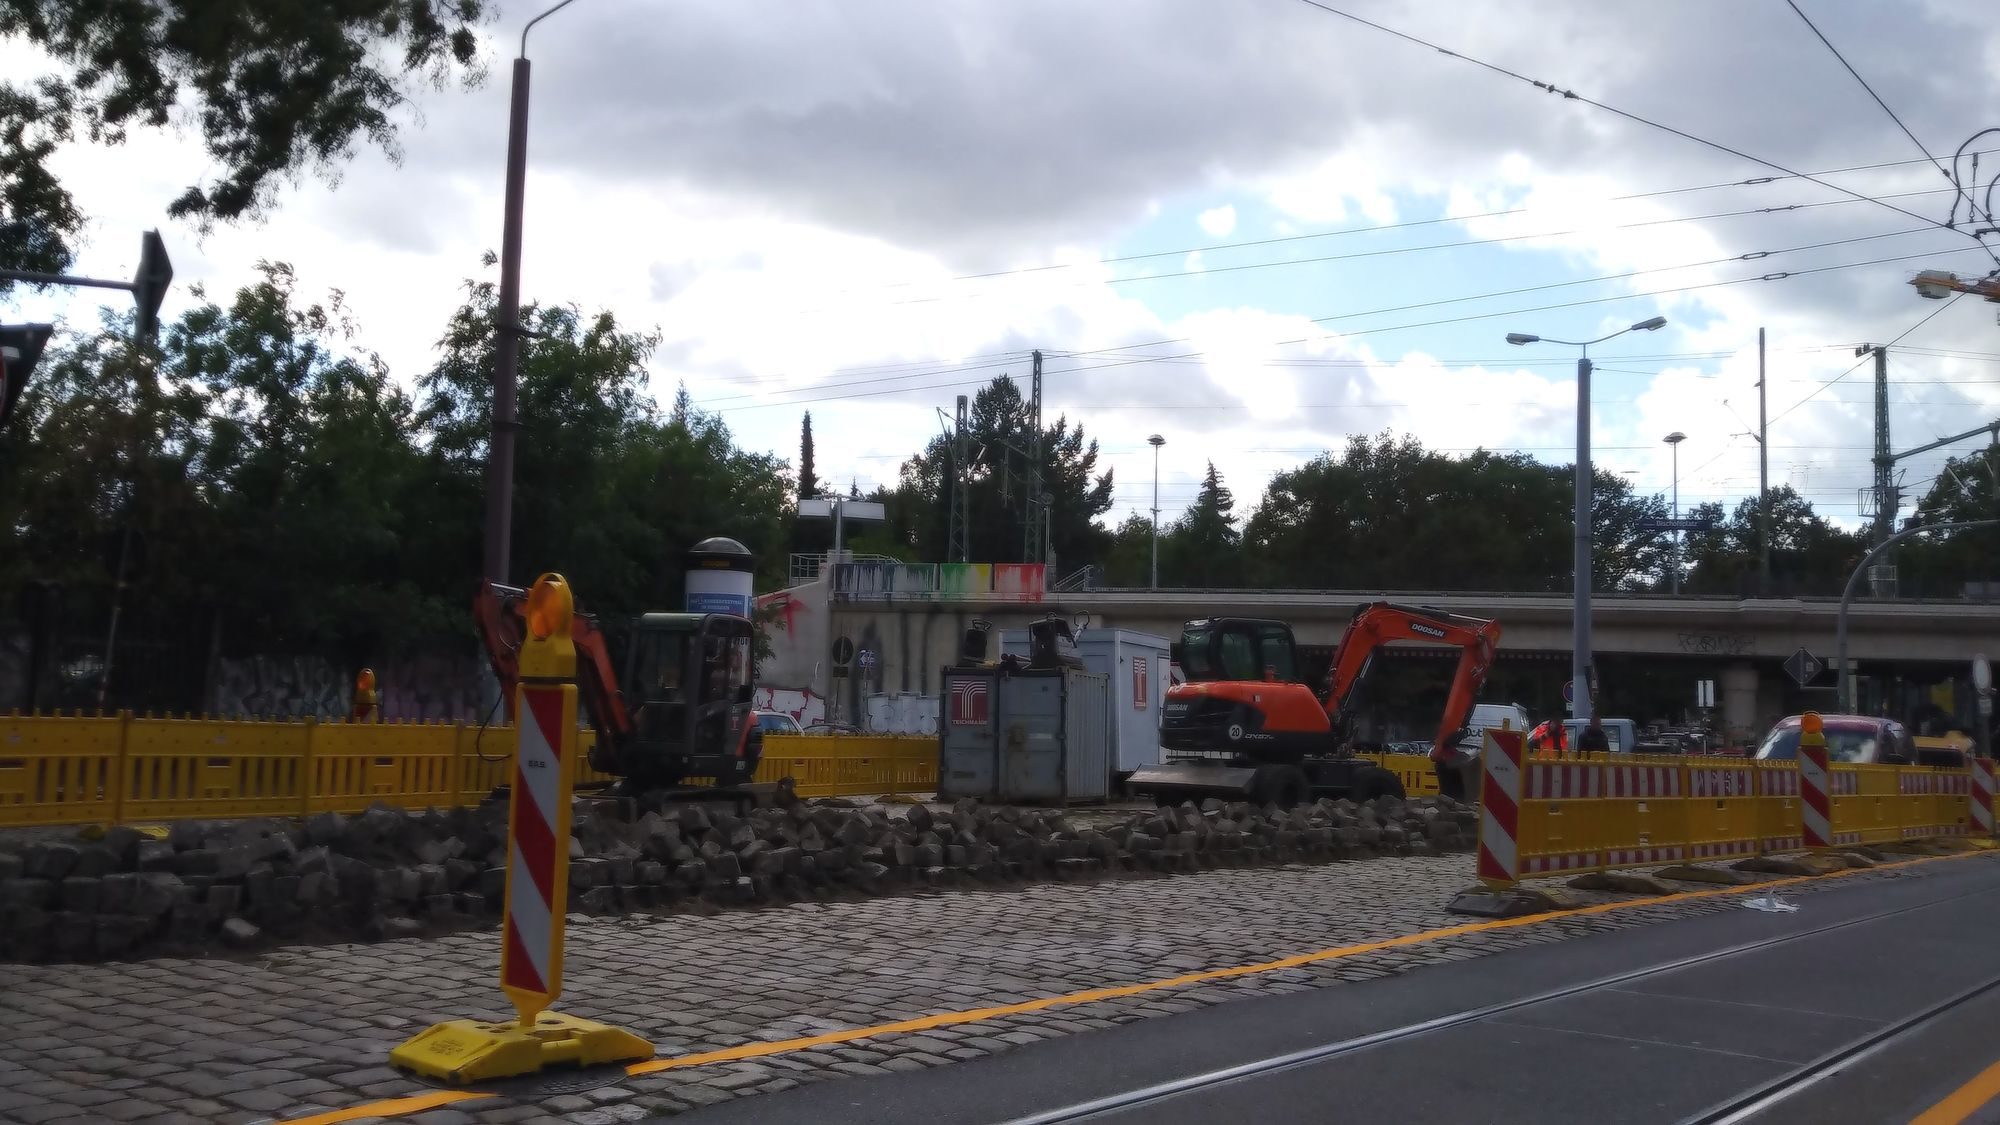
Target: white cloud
column 795, row 204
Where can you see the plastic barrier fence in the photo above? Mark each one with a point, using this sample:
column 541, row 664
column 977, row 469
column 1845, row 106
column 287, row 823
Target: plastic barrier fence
column 113, row 769
column 852, row 765
column 1415, row 771
column 1569, row 815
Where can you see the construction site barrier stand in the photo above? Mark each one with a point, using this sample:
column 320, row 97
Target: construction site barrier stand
column 538, row 836
column 1569, row 815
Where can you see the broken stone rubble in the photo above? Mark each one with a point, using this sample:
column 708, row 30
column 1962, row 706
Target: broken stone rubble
column 388, row 873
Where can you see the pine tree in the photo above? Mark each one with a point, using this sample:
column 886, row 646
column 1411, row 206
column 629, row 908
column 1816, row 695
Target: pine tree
column 808, row 478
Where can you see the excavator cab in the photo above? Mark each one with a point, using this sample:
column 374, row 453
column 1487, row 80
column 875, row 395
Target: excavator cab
column 1236, row 648
column 675, row 703
column 686, row 684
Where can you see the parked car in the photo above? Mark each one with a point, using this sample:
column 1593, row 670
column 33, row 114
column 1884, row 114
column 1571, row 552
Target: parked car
column 777, row 722
column 1854, row 739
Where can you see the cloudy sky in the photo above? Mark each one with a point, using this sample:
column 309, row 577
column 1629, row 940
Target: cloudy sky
column 1253, row 227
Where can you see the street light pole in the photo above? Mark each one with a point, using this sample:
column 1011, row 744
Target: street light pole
column 1580, row 658
column 1675, row 439
column 495, row 559
column 1156, row 441
column 1846, row 684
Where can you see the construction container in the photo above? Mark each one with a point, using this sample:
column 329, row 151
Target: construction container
column 1136, row 664
column 1025, row 737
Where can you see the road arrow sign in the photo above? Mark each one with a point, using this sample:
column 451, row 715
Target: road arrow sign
column 1803, row 667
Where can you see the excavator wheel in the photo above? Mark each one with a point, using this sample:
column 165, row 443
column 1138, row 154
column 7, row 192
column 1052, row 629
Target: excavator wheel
column 1283, row 786
column 1376, row 782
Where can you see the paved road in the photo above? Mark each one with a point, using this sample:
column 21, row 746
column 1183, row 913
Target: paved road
column 1663, row 1047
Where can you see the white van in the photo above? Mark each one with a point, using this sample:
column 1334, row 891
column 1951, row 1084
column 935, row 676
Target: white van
column 1492, row 716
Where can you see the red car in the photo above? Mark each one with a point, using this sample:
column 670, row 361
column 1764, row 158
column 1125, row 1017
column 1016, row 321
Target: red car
column 1856, row 739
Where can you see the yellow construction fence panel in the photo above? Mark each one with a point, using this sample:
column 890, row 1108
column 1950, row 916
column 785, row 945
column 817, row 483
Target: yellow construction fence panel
column 1561, row 825
column 58, row 769
column 410, row 765
column 1721, row 809
column 1415, row 771
column 1868, row 804
column 851, row 765
column 1642, row 810
column 183, row 768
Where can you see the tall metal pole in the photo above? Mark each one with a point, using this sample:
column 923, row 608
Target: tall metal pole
column 1847, row 598
column 1580, row 627
column 1677, row 514
column 1156, row 441
column 1885, row 487
column 507, row 345
column 1034, row 548
column 1763, row 479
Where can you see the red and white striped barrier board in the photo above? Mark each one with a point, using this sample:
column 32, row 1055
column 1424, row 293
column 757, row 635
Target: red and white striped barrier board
column 1500, row 808
column 538, row 852
column 1815, row 796
column 1981, row 784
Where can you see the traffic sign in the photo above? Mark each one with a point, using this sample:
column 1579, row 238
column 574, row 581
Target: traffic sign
column 1803, row 667
column 1685, row 523
column 1569, row 691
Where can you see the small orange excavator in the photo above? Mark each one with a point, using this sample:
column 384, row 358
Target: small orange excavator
column 1245, row 726
column 680, row 710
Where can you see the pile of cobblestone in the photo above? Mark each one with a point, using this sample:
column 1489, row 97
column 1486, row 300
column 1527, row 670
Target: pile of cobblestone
column 390, row 873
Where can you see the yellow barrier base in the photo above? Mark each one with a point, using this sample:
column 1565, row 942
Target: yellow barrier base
column 463, row 1051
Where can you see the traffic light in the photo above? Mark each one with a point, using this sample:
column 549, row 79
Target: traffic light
column 20, row 348
column 149, row 285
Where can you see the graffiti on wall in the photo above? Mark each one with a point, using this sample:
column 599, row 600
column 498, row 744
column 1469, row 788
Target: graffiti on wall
column 422, row 688
column 804, row 705
column 1718, row 644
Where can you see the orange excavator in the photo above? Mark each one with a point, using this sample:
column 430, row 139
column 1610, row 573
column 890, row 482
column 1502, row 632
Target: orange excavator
column 680, row 709
column 1245, row 725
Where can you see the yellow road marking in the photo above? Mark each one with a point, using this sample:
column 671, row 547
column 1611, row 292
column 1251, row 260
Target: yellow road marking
column 1964, row 1101
column 394, row 1107
column 979, row 1015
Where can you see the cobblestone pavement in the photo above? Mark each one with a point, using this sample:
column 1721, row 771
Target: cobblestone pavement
column 307, row 1030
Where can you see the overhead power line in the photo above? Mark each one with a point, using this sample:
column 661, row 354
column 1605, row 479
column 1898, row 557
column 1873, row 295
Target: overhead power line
column 1127, row 360
column 1935, row 162
column 1637, row 119
column 1816, row 392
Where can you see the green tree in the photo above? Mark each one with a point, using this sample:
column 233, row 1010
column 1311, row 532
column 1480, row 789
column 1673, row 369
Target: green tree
column 1809, row 554
column 1000, row 436
column 1203, row 549
column 1128, row 560
column 272, row 90
column 606, row 489
column 808, row 478
column 1966, row 490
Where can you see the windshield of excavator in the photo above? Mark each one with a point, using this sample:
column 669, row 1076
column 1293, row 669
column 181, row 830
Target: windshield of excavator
column 660, row 665
column 1237, row 651
column 726, row 666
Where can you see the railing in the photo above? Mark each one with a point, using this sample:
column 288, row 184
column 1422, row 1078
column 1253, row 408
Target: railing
column 118, row 769
column 886, row 580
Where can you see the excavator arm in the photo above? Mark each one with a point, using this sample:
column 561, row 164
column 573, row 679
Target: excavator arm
column 501, row 615
column 1380, row 623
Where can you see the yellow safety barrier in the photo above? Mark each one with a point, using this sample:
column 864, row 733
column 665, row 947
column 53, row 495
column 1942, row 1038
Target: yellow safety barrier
column 1869, row 806
column 60, row 769
column 111, row 769
column 1722, row 809
column 1573, row 814
column 851, row 765
column 1415, row 771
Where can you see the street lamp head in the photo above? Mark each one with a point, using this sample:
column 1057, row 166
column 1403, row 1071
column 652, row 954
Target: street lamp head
column 1650, row 325
column 1675, row 438
column 1156, row 441
column 1521, row 338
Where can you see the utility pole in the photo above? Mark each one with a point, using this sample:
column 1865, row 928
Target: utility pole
column 1763, row 479
column 1034, row 547
column 958, row 545
column 1886, row 500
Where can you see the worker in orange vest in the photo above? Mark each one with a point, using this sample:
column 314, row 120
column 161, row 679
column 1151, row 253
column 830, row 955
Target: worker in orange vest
column 366, row 706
